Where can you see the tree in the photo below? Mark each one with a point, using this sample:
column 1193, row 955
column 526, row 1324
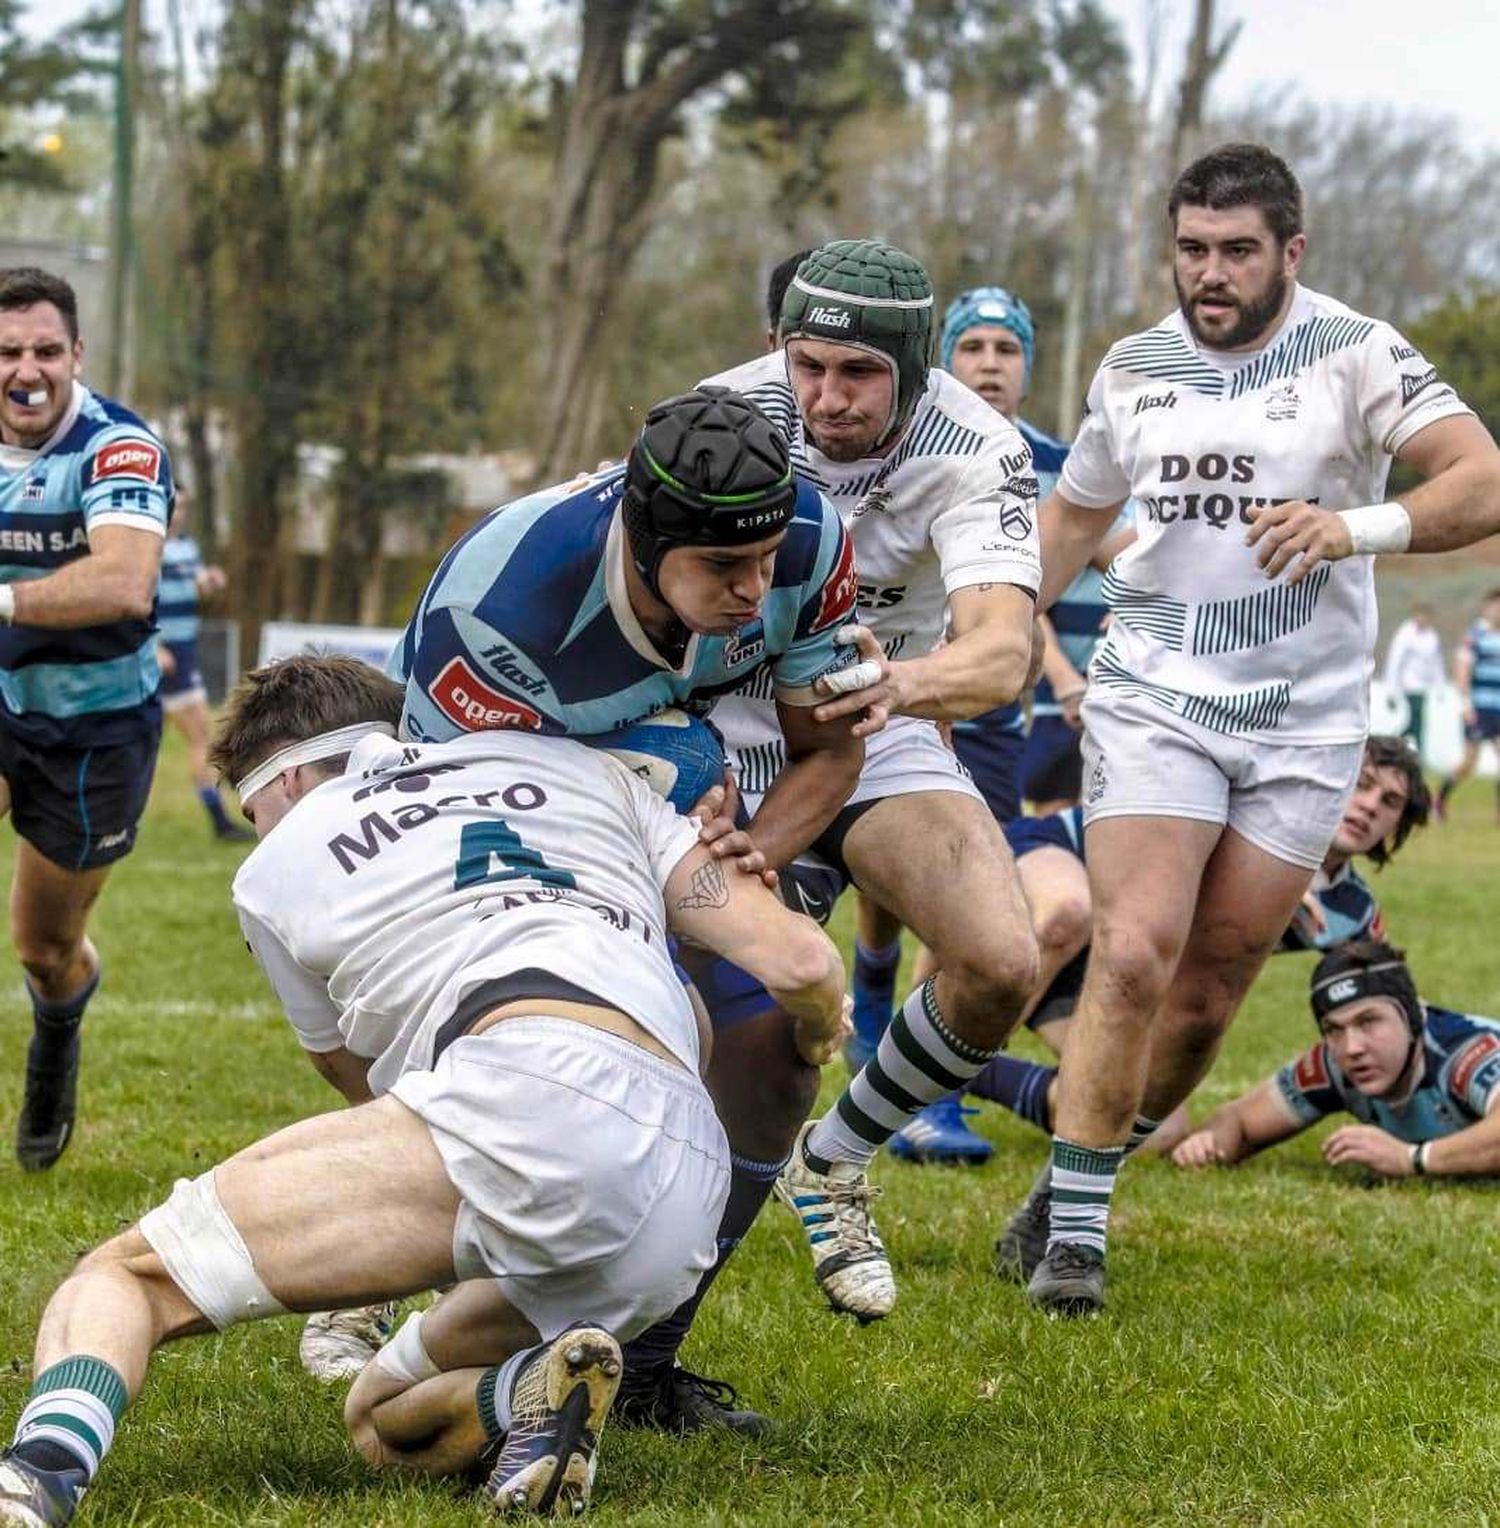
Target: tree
column 60, row 73
column 1462, row 339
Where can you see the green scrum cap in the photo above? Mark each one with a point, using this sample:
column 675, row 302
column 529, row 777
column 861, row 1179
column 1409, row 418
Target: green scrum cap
column 868, row 294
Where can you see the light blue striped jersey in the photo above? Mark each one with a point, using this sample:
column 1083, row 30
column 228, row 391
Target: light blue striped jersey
column 1202, row 440
column 95, row 684
column 1460, row 1072
column 527, row 623
column 177, row 592
column 1482, row 643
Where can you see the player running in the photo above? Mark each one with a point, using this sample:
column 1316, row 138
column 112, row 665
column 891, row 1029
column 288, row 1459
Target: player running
column 85, row 493
column 936, row 489
column 478, row 930
column 1228, row 704
column 1476, row 668
column 1422, row 1081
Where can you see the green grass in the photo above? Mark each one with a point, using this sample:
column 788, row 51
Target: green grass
column 1285, row 1344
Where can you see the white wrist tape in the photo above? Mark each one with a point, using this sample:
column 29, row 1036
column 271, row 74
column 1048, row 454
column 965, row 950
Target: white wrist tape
column 1378, row 527
column 7, row 604
column 404, row 1357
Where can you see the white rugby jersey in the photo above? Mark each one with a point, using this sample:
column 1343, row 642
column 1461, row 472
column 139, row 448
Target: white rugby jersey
column 1200, row 439
column 953, row 505
column 387, row 894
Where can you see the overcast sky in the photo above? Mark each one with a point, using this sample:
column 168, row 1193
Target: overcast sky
column 1350, row 51
column 1331, row 50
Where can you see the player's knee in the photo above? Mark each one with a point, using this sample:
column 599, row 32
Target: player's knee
column 1196, row 1018
column 45, row 959
column 1130, row 970
column 1062, row 928
column 129, row 1261
column 999, row 977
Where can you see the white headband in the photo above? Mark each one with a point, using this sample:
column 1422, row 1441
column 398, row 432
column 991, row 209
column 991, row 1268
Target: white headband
column 325, row 745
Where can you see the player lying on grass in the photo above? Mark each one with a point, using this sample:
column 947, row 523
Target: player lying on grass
column 1422, row 1081
column 478, row 930
column 1390, row 800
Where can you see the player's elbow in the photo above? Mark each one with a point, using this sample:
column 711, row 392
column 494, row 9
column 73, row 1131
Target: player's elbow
column 1011, row 670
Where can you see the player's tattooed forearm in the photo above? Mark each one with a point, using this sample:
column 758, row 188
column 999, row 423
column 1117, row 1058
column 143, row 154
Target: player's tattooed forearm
column 706, row 889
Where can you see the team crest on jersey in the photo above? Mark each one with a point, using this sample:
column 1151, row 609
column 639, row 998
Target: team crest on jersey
column 128, row 458
column 468, row 702
column 748, row 643
column 877, row 501
column 1015, row 521
column 839, row 590
column 1283, row 402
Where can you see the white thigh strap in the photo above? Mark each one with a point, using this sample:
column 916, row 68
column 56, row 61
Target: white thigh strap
column 208, row 1260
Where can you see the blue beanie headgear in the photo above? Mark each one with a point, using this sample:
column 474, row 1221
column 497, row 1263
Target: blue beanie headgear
column 988, row 305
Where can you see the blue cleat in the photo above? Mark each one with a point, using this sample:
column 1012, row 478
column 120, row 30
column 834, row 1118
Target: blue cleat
column 873, row 1001
column 36, row 1498
column 938, row 1134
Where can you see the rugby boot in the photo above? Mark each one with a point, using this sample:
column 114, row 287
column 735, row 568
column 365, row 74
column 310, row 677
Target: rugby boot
column 671, row 1399
column 849, row 1260
column 36, row 1498
column 337, row 1344
column 1069, row 1281
column 558, row 1402
column 938, row 1134
column 1023, row 1242
column 46, row 1123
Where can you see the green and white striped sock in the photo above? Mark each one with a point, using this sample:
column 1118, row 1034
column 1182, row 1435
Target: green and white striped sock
column 919, row 1060
column 74, row 1406
column 1083, row 1178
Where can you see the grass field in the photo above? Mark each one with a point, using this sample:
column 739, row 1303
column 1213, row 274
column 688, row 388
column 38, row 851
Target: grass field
column 1285, row 1344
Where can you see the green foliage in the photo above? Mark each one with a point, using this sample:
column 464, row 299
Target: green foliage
column 1462, row 339
column 1286, row 1344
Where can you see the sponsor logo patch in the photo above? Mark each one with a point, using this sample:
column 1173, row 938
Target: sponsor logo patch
column 1470, row 1060
column 1343, row 989
column 1312, row 1070
column 35, row 491
column 839, row 589
column 128, row 458
column 1413, row 384
column 829, row 317
column 468, row 702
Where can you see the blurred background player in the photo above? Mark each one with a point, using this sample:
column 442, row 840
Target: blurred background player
column 989, row 343
column 1414, row 667
column 1421, row 1080
column 1390, row 801
column 1476, row 671
column 85, row 494
column 1225, row 722
column 185, row 579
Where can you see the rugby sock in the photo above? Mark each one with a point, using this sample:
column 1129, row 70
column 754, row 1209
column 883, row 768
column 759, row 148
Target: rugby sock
column 1020, row 1085
column 1083, row 1178
column 1140, row 1132
column 919, row 1061
column 69, row 1421
column 492, row 1395
column 209, row 796
column 750, row 1184
column 64, row 1014
column 874, row 989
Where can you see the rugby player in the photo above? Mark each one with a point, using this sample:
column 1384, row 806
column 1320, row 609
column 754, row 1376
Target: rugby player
column 989, row 344
column 1422, row 1081
column 1390, row 800
column 185, row 578
column 1476, row 668
column 702, row 562
column 1227, row 705
column 476, row 934
column 936, row 489
column 85, row 492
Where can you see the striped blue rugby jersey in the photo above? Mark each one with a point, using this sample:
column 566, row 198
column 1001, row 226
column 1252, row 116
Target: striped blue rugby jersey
column 95, row 684
column 177, row 593
column 527, row 623
column 1483, row 647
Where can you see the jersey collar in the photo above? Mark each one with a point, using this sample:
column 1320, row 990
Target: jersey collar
column 618, row 594
column 14, row 458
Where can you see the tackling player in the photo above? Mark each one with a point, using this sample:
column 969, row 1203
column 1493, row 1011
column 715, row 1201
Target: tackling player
column 1228, row 704
column 1476, row 668
column 475, row 933
column 1421, row 1081
column 936, row 490
column 85, row 492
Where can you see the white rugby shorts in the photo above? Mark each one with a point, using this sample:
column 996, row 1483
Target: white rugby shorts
column 1142, row 760
column 592, row 1173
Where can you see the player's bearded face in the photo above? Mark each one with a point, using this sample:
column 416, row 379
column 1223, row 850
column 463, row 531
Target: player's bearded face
column 1370, row 1042
column 845, row 396
column 1232, row 274
column 38, row 361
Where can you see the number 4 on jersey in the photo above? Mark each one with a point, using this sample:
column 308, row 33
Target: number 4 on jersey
column 483, row 843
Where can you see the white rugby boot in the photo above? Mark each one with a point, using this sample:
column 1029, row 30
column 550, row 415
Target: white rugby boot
column 337, row 1344
column 849, row 1260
